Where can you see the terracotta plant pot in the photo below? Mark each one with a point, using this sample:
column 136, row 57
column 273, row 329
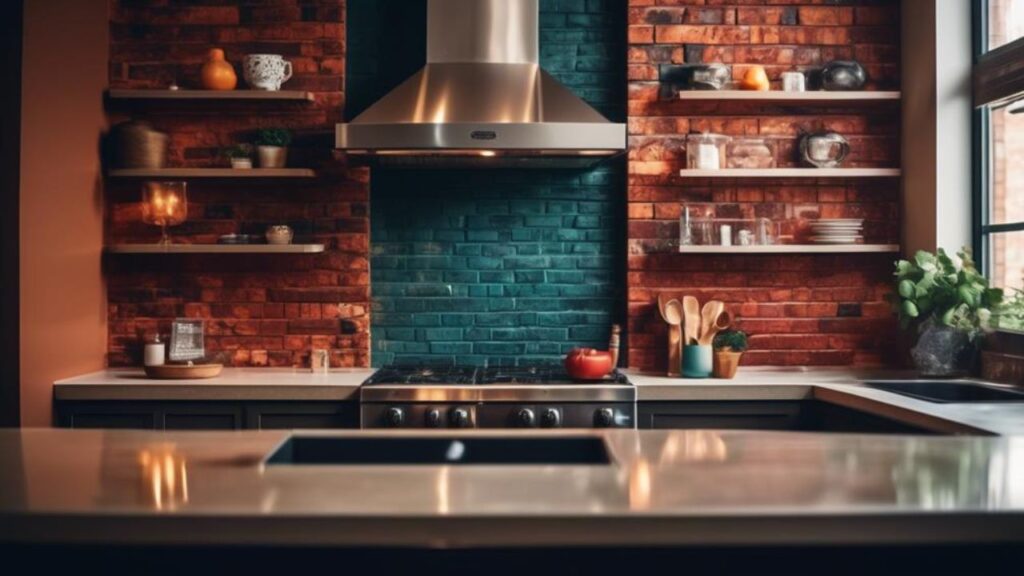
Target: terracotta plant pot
column 272, row 156
column 725, row 364
column 241, row 163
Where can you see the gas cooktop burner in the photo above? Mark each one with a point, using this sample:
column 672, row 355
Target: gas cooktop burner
column 456, row 375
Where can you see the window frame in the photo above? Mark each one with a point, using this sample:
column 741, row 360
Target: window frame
column 1009, row 87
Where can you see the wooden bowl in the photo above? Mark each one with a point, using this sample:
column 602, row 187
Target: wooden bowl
column 184, row 371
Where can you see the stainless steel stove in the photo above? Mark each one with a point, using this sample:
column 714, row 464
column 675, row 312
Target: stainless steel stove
column 493, row 397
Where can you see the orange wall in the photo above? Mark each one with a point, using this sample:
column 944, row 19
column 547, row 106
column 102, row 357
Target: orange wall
column 63, row 317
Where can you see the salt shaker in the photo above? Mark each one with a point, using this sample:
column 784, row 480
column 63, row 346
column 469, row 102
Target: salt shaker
column 320, row 361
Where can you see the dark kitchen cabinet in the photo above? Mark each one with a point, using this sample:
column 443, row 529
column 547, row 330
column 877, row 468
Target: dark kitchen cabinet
column 800, row 415
column 134, row 416
column 718, row 415
column 202, row 416
column 301, row 415
column 140, row 415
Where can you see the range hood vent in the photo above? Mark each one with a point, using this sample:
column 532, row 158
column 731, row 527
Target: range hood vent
column 482, row 99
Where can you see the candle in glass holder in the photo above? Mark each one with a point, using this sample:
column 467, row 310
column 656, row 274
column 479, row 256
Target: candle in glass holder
column 164, row 204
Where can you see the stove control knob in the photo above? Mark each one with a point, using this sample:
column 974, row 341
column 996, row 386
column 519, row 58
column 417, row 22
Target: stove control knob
column 394, row 417
column 433, row 418
column 460, row 418
column 604, row 418
column 550, row 418
column 525, row 418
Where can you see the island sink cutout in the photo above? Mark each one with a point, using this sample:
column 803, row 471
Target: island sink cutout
column 440, row 450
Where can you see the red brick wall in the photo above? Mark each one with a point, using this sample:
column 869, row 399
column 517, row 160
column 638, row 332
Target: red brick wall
column 260, row 310
column 800, row 309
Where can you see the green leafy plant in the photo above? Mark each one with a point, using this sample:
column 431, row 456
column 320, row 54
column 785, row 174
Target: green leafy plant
column 238, row 151
column 735, row 340
column 1010, row 314
column 273, row 137
column 947, row 289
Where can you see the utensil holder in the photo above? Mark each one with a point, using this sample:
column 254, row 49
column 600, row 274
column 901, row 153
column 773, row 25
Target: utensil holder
column 697, row 361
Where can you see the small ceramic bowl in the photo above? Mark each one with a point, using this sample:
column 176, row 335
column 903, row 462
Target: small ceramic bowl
column 279, row 234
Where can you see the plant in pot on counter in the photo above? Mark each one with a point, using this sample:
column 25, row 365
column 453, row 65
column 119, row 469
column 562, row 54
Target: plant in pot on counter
column 729, row 348
column 240, row 156
column 272, row 147
column 948, row 303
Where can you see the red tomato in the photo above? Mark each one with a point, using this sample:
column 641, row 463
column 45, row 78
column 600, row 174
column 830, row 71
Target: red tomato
column 588, row 363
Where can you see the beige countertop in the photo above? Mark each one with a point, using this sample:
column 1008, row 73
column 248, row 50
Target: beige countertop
column 838, row 386
column 841, row 386
column 663, row 487
column 232, row 384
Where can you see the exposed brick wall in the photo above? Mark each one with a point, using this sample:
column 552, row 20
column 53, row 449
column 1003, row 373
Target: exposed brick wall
column 799, row 309
column 260, row 310
column 505, row 265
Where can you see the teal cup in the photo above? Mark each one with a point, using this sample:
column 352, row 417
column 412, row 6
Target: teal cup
column 696, row 361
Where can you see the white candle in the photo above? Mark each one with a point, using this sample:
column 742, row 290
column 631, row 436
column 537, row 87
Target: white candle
column 153, row 353
column 725, row 235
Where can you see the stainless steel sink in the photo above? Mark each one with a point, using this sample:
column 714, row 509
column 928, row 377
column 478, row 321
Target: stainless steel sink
column 440, row 450
column 948, row 391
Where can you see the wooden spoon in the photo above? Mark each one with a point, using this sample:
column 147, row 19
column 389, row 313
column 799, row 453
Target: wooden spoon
column 662, row 302
column 674, row 317
column 709, row 317
column 691, row 319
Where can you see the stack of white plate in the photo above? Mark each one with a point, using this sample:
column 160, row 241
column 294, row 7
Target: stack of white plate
column 837, row 231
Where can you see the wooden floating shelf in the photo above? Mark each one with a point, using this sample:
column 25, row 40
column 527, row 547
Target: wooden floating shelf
column 779, row 96
column 213, row 173
column 792, row 173
column 250, row 95
column 215, row 249
column 793, row 249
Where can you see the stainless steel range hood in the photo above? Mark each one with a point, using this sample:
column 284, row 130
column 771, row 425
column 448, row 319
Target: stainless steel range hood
column 482, row 98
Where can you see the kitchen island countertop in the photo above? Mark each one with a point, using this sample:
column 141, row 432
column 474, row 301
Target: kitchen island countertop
column 663, row 488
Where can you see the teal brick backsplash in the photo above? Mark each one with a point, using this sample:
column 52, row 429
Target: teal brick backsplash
column 478, row 266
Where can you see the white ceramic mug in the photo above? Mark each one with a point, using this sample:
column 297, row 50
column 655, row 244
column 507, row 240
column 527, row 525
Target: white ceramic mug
column 266, row 71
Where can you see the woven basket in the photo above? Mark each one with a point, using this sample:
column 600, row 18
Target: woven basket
column 137, row 145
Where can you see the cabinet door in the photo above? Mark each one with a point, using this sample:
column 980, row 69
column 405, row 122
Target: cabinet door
column 719, row 415
column 116, row 415
column 301, row 415
column 202, row 416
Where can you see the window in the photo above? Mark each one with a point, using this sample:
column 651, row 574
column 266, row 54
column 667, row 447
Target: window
column 999, row 132
column 1005, row 22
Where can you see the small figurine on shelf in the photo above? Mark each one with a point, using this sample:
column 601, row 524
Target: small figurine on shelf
column 755, row 78
column 218, row 73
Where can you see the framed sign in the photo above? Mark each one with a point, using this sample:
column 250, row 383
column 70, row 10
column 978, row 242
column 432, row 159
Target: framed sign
column 186, row 340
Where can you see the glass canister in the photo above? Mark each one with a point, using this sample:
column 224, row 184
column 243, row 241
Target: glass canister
column 706, row 151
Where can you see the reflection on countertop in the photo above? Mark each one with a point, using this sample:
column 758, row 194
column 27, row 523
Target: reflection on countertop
column 700, row 486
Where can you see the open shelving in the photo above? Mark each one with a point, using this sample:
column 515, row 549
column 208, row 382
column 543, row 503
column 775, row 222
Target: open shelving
column 793, row 249
column 163, row 173
column 249, row 95
column 792, row 173
column 215, row 249
column 781, row 97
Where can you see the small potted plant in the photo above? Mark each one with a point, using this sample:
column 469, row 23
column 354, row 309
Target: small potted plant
column 272, row 147
column 729, row 348
column 240, row 156
column 948, row 303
